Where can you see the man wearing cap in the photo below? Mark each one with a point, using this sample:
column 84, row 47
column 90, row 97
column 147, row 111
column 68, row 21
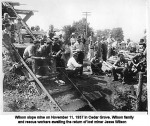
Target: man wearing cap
column 79, row 48
column 120, row 66
column 31, row 54
column 73, row 66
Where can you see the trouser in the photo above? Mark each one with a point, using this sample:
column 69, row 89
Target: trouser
column 80, row 61
column 111, row 52
column 32, row 64
column 123, row 72
column 96, row 68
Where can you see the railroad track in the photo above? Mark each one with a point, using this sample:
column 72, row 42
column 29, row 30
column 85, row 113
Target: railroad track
column 67, row 97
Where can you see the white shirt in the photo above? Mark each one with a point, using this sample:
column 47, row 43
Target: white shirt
column 73, row 40
column 78, row 46
column 72, row 64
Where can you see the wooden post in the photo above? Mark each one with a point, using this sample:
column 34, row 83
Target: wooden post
column 139, row 91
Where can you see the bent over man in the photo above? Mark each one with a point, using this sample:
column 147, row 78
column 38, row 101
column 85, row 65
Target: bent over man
column 31, row 54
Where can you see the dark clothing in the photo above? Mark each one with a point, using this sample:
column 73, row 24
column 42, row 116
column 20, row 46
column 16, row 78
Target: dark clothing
column 44, row 50
column 119, row 63
column 141, row 59
column 96, row 66
column 55, row 48
column 121, row 69
column 60, row 64
column 111, row 52
column 104, row 51
column 80, row 60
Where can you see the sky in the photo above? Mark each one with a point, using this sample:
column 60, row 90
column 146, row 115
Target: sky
column 129, row 14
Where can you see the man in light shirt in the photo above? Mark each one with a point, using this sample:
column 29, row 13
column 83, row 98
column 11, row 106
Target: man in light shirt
column 73, row 39
column 79, row 48
column 72, row 64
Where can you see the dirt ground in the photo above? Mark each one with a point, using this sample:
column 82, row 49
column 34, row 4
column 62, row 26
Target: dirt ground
column 20, row 96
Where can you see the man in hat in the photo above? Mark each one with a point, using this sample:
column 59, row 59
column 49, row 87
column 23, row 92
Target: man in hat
column 18, row 27
column 31, row 54
column 45, row 49
column 120, row 67
column 72, row 66
column 79, row 48
column 5, row 20
column 57, row 52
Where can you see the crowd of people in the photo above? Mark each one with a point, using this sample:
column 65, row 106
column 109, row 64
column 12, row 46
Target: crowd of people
column 52, row 50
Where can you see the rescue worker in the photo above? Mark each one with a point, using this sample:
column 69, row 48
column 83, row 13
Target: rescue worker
column 120, row 66
column 57, row 53
column 79, row 48
column 72, row 66
column 31, row 55
column 45, row 52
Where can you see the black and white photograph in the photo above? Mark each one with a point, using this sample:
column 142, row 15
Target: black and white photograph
column 74, row 55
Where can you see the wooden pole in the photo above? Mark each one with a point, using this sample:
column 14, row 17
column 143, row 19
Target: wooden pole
column 139, row 91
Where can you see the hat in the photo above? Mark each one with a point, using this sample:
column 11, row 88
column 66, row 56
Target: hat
column 36, row 41
column 142, row 42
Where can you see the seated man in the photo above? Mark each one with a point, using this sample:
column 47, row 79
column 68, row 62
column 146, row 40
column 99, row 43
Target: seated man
column 73, row 66
column 30, row 54
column 120, row 66
column 96, row 65
column 138, row 63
